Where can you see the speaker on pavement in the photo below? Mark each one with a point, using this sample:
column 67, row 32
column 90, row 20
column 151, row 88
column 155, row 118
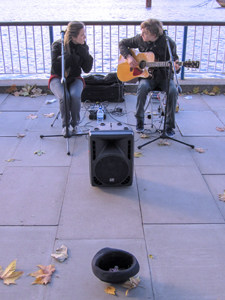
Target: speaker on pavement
column 111, row 157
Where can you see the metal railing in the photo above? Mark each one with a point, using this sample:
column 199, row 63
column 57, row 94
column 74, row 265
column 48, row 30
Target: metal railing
column 25, row 47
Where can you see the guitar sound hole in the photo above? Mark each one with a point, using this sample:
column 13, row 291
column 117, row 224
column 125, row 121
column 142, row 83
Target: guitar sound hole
column 142, row 64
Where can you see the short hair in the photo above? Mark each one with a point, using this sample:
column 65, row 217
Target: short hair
column 154, row 26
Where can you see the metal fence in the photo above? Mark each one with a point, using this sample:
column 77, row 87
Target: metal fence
column 25, row 47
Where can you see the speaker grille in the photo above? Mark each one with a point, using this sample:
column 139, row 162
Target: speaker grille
column 111, row 170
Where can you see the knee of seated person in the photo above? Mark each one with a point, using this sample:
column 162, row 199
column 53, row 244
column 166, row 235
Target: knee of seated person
column 173, row 91
column 143, row 87
column 75, row 95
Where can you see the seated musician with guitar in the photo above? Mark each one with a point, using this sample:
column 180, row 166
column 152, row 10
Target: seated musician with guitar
column 152, row 39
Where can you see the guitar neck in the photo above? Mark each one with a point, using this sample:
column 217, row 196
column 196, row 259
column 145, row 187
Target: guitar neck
column 158, row 64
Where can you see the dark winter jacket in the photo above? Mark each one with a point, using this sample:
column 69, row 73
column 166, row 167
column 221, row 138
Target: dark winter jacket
column 159, row 48
column 79, row 59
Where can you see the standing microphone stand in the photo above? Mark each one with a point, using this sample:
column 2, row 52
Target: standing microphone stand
column 63, row 81
column 171, row 65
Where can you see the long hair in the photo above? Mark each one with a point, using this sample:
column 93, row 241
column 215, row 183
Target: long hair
column 73, row 29
column 154, row 26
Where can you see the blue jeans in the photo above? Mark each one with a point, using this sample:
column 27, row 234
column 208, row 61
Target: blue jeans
column 73, row 100
column 145, row 86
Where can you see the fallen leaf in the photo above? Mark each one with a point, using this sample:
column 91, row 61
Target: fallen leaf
column 130, row 284
column 44, row 275
column 16, row 94
column 32, row 117
column 163, row 143
column 10, row 275
column 145, row 136
column 137, row 154
column 206, row 92
column 221, row 129
column 222, row 196
column 12, row 89
column 21, row 135
column 60, row 254
column 110, row 290
column 150, row 256
column 12, row 159
column 216, row 90
column 39, row 152
column 196, row 90
column 200, row 150
column 50, row 115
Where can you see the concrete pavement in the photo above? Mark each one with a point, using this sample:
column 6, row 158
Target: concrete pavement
column 170, row 218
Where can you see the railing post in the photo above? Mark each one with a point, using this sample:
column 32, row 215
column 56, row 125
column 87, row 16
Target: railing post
column 184, row 49
column 51, row 34
column 148, row 3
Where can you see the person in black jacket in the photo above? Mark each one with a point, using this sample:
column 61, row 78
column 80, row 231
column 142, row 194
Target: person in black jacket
column 153, row 39
column 77, row 59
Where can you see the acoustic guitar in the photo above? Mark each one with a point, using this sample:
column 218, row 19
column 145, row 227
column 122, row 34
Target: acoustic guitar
column 147, row 63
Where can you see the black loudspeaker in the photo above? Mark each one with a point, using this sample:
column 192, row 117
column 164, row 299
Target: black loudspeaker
column 111, row 156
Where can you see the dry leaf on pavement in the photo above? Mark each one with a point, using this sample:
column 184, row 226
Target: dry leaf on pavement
column 110, row 290
column 222, row 196
column 21, row 135
column 144, row 136
column 221, row 129
column 163, row 143
column 50, row 115
column 60, row 254
column 10, row 275
column 132, row 283
column 44, row 275
column 39, row 152
column 137, row 154
column 200, row 150
column 32, row 117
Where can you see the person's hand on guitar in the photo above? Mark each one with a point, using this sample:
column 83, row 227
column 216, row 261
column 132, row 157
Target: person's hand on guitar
column 132, row 61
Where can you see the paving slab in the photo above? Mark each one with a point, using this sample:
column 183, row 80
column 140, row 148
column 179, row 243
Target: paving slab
column 12, row 103
column 76, row 279
column 199, row 123
column 175, row 194
column 188, row 261
column 221, row 115
column 80, row 158
column 93, row 212
column 215, row 102
column 216, row 184
column 30, row 246
column 3, row 97
column 51, row 151
column 163, row 152
column 192, row 103
column 32, row 195
column 14, row 123
column 212, row 160
column 7, row 148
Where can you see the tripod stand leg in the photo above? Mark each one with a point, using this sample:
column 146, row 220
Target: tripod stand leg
column 67, row 145
column 163, row 136
column 170, row 138
column 56, row 118
column 139, row 147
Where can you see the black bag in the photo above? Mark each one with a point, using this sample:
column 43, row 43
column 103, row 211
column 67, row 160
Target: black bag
column 103, row 88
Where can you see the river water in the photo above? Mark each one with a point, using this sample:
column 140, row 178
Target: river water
column 110, row 10
column 114, row 10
